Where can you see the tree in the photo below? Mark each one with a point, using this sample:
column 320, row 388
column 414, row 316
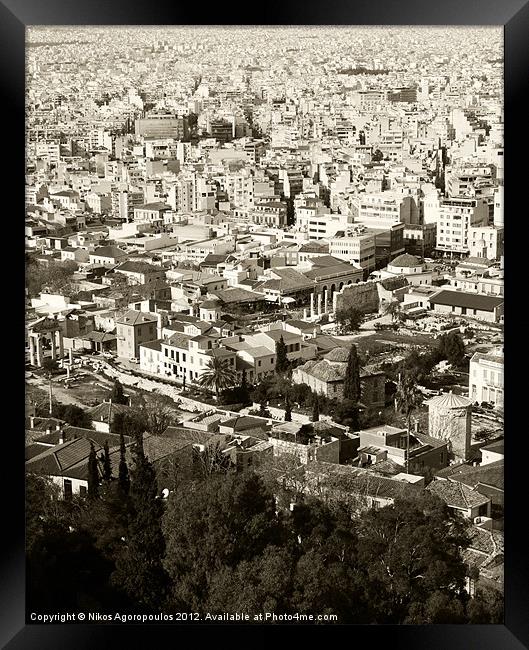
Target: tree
column 233, row 515
column 93, row 474
column 74, row 415
column 107, row 467
column 157, row 413
column 218, row 374
column 407, row 398
column 139, row 570
column 455, row 349
column 316, row 408
column 288, row 410
column 49, row 365
column 123, row 476
column 117, row 395
column 351, row 386
column 131, row 423
column 346, row 412
column 282, row 363
column 393, row 309
column 349, row 319
column 377, row 156
column 244, row 392
column 409, row 551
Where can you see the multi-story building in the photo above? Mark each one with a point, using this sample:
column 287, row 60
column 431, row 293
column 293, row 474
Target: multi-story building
column 151, row 213
column 133, row 329
column 454, row 218
column 185, row 355
column 485, row 241
column 124, row 202
column 162, row 126
column 270, row 213
column 386, row 206
column 355, row 247
column 420, row 239
column 485, row 379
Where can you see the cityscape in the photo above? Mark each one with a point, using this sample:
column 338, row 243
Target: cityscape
column 264, row 324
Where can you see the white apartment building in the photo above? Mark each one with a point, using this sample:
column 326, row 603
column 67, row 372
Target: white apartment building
column 386, row 206
column 48, row 151
column 356, row 248
column 454, row 218
column 498, row 206
column 486, row 378
column 485, row 241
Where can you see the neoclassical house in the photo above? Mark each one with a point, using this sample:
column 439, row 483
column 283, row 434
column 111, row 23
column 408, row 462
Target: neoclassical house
column 326, row 377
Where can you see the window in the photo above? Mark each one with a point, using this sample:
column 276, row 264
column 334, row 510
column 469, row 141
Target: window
column 83, row 490
column 67, row 488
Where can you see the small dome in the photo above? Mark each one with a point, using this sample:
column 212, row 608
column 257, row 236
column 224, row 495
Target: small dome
column 406, row 260
column 210, row 304
column 449, row 401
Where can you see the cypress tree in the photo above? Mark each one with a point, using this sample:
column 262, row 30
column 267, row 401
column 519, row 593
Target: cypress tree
column 117, row 395
column 316, row 408
column 245, row 394
column 107, row 468
column 124, row 481
column 351, row 385
column 281, row 356
column 288, row 410
column 93, row 474
column 139, row 570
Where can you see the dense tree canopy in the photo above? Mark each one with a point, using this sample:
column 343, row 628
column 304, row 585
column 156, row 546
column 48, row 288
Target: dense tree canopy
column 226, row 545
column 349, row 319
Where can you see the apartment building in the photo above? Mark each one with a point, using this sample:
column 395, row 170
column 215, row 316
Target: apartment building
column 386, row 206
column 270, row 213
column 162, row 126
column 151, row 213
column 356, row 248
column 485, row 381
column 454, row 218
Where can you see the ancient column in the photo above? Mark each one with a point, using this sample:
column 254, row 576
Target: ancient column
column 31, row 349
column 53, row 350
column 40, row 356
column 304, row 314
column 312, row 314
column 325, row 301
column 61, row 344
column 334, row 301
column 319, row 304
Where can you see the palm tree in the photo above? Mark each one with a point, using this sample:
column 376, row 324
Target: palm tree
column 393, row 309
column 218, row 374
column 407, row 398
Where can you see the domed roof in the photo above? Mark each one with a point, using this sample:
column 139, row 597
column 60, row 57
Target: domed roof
column 406, row 260
column 449, row 401
column 209, row 304
column 337, row 354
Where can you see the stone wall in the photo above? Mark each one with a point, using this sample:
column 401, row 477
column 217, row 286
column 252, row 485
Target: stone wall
column 363, row 296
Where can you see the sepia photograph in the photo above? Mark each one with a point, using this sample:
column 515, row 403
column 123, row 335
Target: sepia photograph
column 264, row 324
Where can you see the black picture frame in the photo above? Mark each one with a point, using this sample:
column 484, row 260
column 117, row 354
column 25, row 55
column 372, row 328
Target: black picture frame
column 15, row 15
